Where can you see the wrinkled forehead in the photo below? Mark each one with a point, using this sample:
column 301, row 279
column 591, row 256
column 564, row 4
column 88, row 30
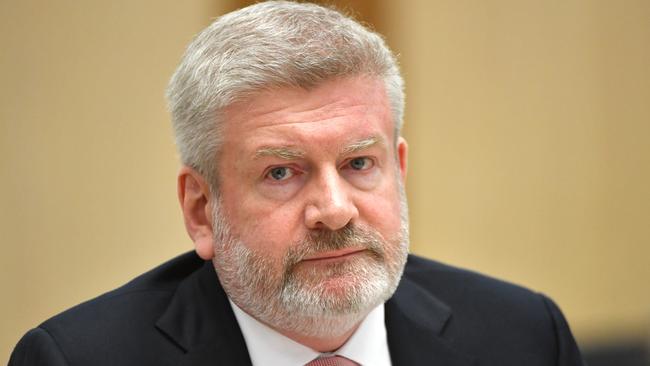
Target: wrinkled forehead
column 358, row 101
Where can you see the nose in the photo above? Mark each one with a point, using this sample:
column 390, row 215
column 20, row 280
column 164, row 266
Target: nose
column 329, row 205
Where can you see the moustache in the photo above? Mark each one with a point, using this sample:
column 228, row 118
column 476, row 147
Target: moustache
column 350, row 236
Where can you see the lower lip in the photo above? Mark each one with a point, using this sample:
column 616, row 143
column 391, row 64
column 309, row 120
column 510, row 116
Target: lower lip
column 332, row 258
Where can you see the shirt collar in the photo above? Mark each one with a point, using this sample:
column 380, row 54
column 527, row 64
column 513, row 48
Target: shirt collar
column 367, row 346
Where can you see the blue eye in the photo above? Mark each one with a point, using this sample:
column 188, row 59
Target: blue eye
column 360, row 163
column 280, row 173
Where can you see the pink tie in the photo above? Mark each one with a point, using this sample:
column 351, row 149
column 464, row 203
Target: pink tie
column 332, row 361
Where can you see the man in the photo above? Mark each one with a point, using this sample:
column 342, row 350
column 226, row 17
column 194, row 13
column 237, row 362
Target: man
column 287, row 118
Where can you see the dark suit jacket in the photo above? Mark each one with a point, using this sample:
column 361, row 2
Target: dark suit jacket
column 178, row 314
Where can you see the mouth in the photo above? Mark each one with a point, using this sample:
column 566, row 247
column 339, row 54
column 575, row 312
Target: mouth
column 333, row 255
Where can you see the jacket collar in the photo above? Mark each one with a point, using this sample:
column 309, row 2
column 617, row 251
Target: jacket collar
column 200, row 321
column 415, row 324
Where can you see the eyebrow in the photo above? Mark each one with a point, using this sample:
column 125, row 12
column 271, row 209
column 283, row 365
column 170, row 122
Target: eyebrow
column 285, row 153
column 362, row 144
column 289, row 153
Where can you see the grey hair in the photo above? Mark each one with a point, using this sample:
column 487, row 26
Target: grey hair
column 264, row 46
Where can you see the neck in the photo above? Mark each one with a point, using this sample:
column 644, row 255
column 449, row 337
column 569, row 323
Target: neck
column 320, row 343
column 322, row 334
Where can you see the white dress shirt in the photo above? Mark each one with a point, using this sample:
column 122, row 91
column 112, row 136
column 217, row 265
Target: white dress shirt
column 368, row 346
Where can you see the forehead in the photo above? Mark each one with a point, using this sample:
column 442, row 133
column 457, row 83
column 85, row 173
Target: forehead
column 340, row 110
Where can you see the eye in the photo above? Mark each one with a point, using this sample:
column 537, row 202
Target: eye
column 280, row 173
column 361, row 163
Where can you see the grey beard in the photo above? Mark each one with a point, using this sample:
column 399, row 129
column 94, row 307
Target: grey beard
column 298, row 299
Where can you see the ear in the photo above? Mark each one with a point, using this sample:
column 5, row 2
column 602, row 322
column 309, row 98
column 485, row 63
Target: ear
column 402, row 155
column 195, row 199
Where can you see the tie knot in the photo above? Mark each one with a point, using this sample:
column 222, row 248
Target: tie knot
column 332, row 361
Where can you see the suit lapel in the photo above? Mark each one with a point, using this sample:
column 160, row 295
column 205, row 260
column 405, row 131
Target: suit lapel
column 415, row 321
column 200, row 321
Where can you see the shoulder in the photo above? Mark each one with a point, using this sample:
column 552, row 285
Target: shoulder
column 495, row 319
column 145, row 294
column 120, row 319
column 455, row 284
column 471, row 294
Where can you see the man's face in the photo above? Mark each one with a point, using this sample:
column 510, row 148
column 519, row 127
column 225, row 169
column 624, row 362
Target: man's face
column 310, row 222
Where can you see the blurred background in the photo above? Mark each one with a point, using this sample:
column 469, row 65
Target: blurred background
column 528, row 123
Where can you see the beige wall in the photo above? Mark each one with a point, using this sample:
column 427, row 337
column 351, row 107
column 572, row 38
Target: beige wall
column 87, row 188
column 528, row 123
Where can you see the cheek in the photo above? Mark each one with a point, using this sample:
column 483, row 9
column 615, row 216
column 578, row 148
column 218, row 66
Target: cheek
column 382, row 213
column 263, row 226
